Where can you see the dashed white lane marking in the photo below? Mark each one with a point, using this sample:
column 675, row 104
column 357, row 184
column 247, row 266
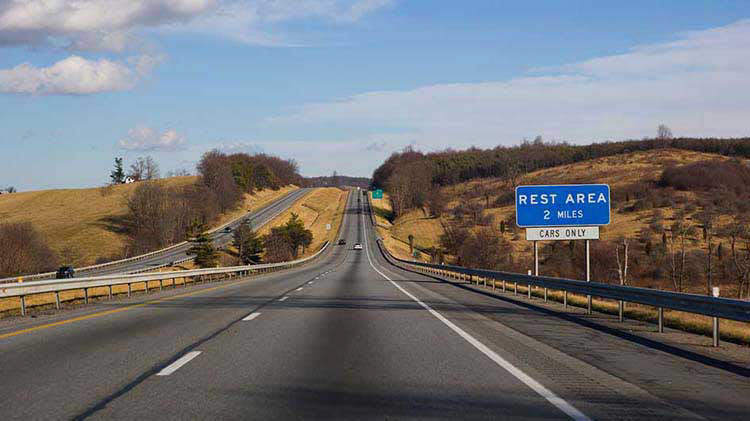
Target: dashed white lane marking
column 283, row 298
column 251, row 316
column 537, row 387
column 300, row 289
column 179, row 363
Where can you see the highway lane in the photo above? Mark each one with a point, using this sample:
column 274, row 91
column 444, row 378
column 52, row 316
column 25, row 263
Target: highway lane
column 339, row 339
column 351, row 346
column 257, row 219
column 64, row 368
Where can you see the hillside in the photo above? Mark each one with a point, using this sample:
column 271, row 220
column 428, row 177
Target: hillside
column 76, row 222
column 642, row 211
column 325, row 205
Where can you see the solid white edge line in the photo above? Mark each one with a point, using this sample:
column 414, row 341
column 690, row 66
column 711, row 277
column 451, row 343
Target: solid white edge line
column 251, row 316
column 283, row 298
column 179, row 363
column 537, row 387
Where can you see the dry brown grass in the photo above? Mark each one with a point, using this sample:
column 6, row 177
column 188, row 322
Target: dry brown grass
column 322, row 206
column 617, row 171
column 75, row 221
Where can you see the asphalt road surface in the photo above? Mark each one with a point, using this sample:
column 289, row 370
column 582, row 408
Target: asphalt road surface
column 348, row 336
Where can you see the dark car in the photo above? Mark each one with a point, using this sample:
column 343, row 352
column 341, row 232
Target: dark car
column 65, row 272
column 228, row 229
column 342, row 242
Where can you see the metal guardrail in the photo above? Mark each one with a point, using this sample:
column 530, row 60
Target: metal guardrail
column 718, row 308
column 56, row 286
column 47, row 275
column 715, row 307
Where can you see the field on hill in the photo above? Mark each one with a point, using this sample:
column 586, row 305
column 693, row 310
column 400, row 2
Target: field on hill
column 323, row 206
column 644, row 211
column 74, row 221
column 494, row 199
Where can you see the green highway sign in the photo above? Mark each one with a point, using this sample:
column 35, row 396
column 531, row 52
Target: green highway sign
column 377, row 194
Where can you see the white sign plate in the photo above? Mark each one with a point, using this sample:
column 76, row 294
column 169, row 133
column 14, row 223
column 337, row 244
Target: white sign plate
column 328, row 227
column 562, row 233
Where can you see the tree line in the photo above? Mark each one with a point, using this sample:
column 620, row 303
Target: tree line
column 695, row 233
column 410, row 175
column 159, row 216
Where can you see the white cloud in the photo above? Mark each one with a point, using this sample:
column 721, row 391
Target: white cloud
column 80, row 22
column 697, row 84
column 118, row 25
column 73, row 76
column 147, row 139
column 109, row 25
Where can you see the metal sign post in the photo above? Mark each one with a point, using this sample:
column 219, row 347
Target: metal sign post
column 588, row 276
column 563, row 212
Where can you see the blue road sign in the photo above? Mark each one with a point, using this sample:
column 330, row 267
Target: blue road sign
column 563, row 205
column 377, row 194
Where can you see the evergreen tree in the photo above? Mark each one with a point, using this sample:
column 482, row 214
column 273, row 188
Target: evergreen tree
column 249, row 245
column 297, row 234
column 204, row 251
column 118, row 174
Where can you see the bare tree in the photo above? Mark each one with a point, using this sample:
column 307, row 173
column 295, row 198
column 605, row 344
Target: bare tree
column 622, row 264
column 681, row 232
column 23, row 250
column 513, row 175
column 707, row 219
column 144, row 169
column 663, row 132
column 738, row 232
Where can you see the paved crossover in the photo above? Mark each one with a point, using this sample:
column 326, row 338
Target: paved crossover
column 345, row 337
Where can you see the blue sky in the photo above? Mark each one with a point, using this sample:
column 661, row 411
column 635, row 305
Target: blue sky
column 340, row 84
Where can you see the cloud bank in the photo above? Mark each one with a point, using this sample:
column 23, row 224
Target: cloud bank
column 696, row 84
column 120, row 26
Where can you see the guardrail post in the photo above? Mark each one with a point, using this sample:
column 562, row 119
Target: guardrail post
column 716, row 332
column 515, row 288
column 129, row 289
column 109, row 293
column 85, row 295
column 528, row 286
column 661, row 320
column 57, row 300
column 620, row 310
column 715, row 320
column 503, row 285
column 161, row 284
column 145, row 286
column 23, row 305
column 494, row 284
column 565, row 299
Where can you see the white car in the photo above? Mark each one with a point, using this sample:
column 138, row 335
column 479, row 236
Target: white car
column 358, row 246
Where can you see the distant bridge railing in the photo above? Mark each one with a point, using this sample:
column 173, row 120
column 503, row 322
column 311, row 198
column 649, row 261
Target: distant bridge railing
column 25, row 289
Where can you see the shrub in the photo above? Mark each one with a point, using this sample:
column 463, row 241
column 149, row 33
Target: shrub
column 24, row 250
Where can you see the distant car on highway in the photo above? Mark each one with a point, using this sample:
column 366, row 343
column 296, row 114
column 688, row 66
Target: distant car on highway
column 228, row 229
column 342, row 242
column 65, row 272
column 358, row 246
